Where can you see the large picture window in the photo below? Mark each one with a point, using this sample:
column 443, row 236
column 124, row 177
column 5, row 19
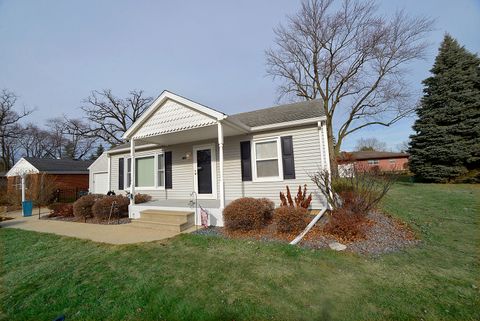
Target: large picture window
column 267, row 160
column 144, row 168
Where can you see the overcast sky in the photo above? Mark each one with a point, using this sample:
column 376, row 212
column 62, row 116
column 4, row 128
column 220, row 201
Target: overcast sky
column 53, row 53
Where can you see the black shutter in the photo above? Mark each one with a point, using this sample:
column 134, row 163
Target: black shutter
column 120, row 173
column 246, row 160
column 168, row 169
column 287, row 158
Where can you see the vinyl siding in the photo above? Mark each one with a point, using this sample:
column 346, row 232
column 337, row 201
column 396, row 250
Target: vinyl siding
column 308, row 156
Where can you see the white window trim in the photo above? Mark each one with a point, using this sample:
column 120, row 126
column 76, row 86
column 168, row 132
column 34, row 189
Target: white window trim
column 373, row 162
column 253, row 152
column 153, row 154
column 156, row 170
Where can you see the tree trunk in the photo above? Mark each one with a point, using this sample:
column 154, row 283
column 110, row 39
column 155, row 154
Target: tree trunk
column 332, row 149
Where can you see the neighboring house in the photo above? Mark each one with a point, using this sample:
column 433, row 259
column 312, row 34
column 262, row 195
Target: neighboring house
column 98, row 178
column 366, row 160
column 180, row 147
column 70, row 176
column 3, row 182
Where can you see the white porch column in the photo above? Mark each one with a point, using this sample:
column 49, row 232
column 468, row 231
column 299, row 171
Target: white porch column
column 132, row 171
column 220, row 158
column 23, row 186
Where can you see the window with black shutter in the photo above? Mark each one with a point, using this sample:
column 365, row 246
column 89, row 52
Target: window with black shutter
column 121, row 173
column 246, row 161
column 168, row 170
column 287, row 157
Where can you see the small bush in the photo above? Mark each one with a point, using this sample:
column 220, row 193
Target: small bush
column 247, row 214
column 82, row 208
column 102, row 207
column 142, row 198
column 301, row 199
column 61, row 209
column 345, row 225
column 290, row 219
column 268, row 208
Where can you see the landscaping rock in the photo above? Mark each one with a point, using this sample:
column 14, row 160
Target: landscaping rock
column 337, row 246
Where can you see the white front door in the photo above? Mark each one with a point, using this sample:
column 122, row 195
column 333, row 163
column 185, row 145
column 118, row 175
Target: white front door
column 204, row 171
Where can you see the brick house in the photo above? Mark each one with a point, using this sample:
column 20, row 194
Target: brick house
column 70, row 176
column 383, row 161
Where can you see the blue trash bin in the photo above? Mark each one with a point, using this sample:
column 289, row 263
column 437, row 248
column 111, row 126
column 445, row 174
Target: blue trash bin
column 27, row 207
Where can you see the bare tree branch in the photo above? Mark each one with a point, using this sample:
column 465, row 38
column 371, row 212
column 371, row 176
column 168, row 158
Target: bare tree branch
column 351, row 58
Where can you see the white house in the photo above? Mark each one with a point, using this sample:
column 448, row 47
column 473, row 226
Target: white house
column 182, row 150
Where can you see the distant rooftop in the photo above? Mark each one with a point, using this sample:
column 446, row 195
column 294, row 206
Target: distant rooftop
column 365, row 155
column 52, row 165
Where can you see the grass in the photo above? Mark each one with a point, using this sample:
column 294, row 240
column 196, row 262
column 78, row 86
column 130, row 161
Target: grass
column 206, row 278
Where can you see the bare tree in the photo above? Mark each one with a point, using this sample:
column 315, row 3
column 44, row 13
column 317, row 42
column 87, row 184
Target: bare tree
column 9, row 127
column 111, row 116
column 370, row 144
column 80, row 142
column 402, row 147
column 350, row 58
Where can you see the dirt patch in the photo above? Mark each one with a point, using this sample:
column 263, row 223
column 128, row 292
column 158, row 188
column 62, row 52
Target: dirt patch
column 5, row 218
column 383, row 234
column 115, row 221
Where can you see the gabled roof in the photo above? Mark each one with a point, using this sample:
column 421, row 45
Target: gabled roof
column 366, row 155
column 280, row 114
column 164, row 96
column 51, row 165
column 162, row 117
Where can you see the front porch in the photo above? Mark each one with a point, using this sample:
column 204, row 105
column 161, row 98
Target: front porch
column 171, row 122
column 211, row 206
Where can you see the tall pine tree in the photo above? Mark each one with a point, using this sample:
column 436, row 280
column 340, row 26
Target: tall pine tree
column 446, row 143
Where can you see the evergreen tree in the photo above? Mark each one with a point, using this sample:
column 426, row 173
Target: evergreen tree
column 446, row 143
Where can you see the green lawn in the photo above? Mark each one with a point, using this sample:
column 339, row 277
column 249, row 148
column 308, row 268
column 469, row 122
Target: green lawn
column 198, row 278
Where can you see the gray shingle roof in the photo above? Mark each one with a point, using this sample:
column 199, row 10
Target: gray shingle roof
column 59, row 165
column 282, row 113
column 267, row 116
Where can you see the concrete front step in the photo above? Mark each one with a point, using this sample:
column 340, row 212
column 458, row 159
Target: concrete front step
column 173, row 221
column 171, row 227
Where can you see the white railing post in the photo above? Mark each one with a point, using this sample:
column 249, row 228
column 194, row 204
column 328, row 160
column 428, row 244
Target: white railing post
column 132, row 171
column 220, row 158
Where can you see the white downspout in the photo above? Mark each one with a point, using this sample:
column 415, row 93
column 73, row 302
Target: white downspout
column 309, row 227
column 132, row 171
column 322, row 133
column 220, row 157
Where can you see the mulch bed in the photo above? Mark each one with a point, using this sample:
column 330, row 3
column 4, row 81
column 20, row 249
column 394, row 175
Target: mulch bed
column 114, row 221
column 383, row 234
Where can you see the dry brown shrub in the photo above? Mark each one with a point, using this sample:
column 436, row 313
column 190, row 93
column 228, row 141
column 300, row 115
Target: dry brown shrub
column 290, row 219
column 102, row 207
column 61, row 209
column 345, row 225
column 247, row 213
column 142, row 198
column 82, row 208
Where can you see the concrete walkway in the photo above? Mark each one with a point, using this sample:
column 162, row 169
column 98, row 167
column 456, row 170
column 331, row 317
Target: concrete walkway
column 112, row 234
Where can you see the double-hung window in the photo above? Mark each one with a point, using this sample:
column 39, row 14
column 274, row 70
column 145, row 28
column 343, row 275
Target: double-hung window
column 373, row 162
column 267, row 157
column 161, row 170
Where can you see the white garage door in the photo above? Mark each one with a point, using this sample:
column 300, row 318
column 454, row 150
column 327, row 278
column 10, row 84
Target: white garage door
column 100, row 183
